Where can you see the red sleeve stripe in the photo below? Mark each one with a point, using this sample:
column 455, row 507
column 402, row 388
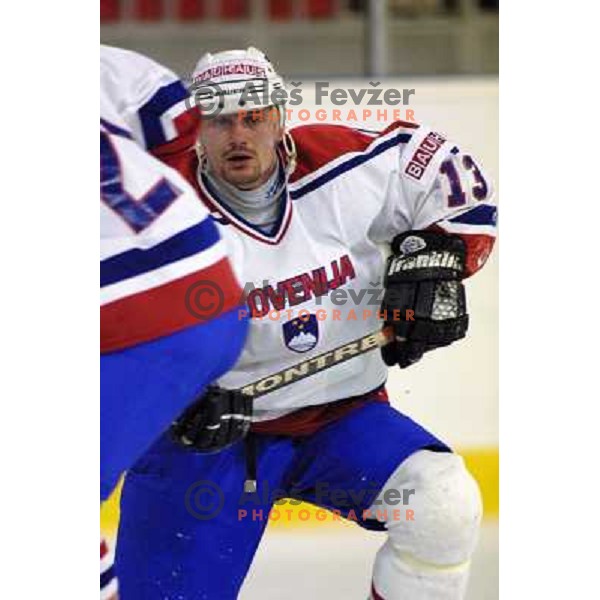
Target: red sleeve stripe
column 103, row 548
column 479, row 247
column 466, row 229
column 187, row 127
column 162, row 310
column 109, row 584
column 346, row 162
column 318, row 145
column 106, row 559
column 163, row 275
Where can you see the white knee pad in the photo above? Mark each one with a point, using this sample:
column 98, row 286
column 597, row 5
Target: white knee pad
column 446, row 506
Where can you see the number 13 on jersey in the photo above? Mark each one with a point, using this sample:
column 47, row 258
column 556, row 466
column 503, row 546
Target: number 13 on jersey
column 464, row 180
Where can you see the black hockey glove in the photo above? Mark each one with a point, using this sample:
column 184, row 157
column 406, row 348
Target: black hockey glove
column 424, row 275
column 218, row 419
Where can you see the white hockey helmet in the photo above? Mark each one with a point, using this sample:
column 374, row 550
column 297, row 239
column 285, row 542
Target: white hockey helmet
column 234, row 80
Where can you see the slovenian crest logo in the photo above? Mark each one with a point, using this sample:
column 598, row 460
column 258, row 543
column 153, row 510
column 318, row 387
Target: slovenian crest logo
column 301, row 334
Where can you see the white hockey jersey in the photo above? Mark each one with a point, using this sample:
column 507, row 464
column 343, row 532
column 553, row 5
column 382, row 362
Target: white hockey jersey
column 315, row 283
column 150, row 100
column 156, row 238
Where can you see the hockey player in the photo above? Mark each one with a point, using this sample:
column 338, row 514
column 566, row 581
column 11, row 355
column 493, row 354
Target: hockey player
column 304, row 212
column 156, row 242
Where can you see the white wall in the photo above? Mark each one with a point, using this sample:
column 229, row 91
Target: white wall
column 453, row 391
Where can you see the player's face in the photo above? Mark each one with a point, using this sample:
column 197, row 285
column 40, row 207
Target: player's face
column 241, row 148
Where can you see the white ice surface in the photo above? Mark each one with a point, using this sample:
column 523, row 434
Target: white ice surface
column 324, row 565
